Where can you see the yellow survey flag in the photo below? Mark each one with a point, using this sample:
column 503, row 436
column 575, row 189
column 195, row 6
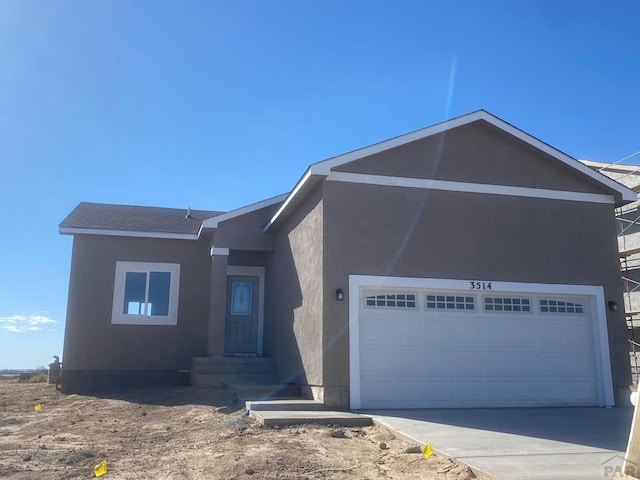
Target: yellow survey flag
column 427, row 451
column 100, row 469
column 37, row 407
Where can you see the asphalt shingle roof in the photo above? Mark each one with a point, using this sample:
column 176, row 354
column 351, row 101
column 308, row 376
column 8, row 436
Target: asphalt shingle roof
column 132, row 218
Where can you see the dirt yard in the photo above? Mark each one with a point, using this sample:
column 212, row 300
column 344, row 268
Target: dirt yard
column 184, row 433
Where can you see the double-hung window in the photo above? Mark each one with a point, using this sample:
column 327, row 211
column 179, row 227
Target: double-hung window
column 146, row 293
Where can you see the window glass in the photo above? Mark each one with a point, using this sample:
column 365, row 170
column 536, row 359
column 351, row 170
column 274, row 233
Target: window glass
column 447, row 302
column 145, row 293
column 501, row 304
column 159, row 293
column 241, row 298
column 134, row 293
column 559, row 306
column 399, row 300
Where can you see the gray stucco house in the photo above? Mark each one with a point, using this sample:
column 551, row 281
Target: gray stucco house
column 467, row 264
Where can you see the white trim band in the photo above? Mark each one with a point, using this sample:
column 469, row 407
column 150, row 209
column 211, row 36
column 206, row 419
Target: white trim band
column 287, row 199
column 213, row 222
column 429, row 184
column 127, row 233
column 219, row 251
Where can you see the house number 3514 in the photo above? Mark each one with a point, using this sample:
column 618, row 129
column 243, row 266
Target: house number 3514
column 480, row 285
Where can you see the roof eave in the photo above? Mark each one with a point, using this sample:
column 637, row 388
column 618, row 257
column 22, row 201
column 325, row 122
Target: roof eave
column 311, row 177
column 127, row 233
column 213, row 222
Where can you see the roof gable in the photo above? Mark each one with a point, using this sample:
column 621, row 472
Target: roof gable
column 319, row 171
column 478, row 153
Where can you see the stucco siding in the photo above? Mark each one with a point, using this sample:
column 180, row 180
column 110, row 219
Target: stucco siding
column 293, row 322
column 93, row 343
column 374, row 230
column 245, row 232
column 475, row 153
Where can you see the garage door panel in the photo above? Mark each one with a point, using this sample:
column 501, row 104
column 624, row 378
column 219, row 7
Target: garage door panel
column 445, row 359
column 474, row 392
column 562, row 392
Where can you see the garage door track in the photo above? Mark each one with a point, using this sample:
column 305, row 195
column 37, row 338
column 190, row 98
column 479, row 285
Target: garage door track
column 522, row 443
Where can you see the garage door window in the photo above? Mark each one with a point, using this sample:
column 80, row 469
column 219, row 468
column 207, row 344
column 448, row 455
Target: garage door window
column 559, row 306
column 395, row 300
column 450, row 302
column 507, row 304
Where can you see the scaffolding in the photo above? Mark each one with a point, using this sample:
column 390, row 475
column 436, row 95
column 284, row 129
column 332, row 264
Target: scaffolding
column 628, row 220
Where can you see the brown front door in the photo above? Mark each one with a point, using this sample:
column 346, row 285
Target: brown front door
column 242, row 314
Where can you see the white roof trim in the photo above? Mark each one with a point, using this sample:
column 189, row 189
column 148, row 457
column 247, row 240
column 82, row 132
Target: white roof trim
column 324, row 167
column 126, row 233
column 214, row 221
column 288, row 198
column 482, row 188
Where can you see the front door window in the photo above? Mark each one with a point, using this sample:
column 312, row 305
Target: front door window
column 241, row 332
column 241, row 298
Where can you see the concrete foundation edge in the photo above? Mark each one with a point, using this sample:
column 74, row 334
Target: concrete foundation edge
column 331, row 396
column 95, row 381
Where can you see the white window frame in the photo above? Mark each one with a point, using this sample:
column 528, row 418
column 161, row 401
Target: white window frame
column 122, row 268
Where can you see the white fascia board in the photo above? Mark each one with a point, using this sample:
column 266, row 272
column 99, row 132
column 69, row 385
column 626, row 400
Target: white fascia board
column 627, row 194
column 324, row 167
column 219, row 251
column 288, row 198
column 483, row 188
column 214, row 221
column 126, row 233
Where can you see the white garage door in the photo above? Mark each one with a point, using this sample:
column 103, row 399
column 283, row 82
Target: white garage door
column 433, row 348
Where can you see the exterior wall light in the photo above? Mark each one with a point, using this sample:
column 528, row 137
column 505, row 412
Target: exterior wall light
column 613, row 306
column 339, row 295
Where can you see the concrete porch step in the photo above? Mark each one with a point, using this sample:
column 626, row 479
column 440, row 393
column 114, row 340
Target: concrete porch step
column 233, row 369
column 285, row 405
column 288, row 418
column 222, row 379
column 260, row 390
column 224, row 360
column 217, row 371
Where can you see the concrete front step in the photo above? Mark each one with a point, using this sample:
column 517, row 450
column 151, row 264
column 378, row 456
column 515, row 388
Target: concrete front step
column 220, row 380
column 219, row 360
column 219, row 371
column 285, row 405
column 231, row 369
column 247, row 391
column 288, row 418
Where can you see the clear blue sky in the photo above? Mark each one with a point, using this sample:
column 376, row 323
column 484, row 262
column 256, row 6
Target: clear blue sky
column 214, row 105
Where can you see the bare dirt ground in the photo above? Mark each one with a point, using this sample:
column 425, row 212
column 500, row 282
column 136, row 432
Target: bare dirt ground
column 186, row 433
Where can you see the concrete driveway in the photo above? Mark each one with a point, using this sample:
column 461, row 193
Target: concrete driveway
column 522, row 443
